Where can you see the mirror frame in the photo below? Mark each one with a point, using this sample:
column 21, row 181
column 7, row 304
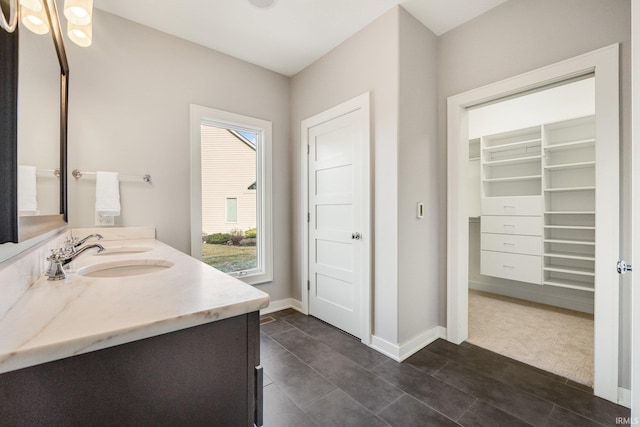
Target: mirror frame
column 24, row 228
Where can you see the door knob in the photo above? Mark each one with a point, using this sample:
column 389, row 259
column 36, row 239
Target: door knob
column 623, row 267
column 356, row 236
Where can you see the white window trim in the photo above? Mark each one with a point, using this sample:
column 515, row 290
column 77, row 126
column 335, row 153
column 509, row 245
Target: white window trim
column 264, row 223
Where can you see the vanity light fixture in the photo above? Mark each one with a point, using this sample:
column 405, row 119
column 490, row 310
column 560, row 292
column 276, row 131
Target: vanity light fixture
column 78, row 11
column 35, row 5
column 79, row 21
column 80, row 34
column 34, row 19
column 10, row 25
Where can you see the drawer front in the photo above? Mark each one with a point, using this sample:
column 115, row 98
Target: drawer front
column 528, row 245
column 524, row 225
column 523, row 268
column 531, row 206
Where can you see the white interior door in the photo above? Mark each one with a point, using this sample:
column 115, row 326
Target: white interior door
column 337, row 228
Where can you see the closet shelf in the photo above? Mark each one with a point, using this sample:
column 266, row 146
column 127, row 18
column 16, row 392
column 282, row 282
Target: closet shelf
column 514, row 178
column 552, row 190
column 570, row 227
column 570, row 270
column 566, row 166
column 570, row 284
column 571, row 145
column 513, row 161
column 570, row 255
column 570, row 212
column 512, row 145
column 571, row 241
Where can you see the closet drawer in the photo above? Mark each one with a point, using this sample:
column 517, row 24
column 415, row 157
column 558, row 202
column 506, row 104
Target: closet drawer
column 528, row 245
column 525, row 225
column 523, row 268
column 531, row 206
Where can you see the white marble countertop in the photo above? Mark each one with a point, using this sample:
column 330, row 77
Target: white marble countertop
column 57, row 319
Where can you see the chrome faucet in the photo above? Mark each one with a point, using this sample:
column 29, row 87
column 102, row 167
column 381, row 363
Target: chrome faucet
column 76, row 243
column 61, row 257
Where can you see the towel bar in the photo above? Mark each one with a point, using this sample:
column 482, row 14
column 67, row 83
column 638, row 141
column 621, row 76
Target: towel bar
column 77, row 174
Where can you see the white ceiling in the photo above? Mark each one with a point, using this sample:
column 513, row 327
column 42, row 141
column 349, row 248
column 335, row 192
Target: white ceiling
column 289, row 36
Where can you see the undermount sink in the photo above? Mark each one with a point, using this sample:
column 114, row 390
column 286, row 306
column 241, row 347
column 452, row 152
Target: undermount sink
column 120, row 250
column 125, row 268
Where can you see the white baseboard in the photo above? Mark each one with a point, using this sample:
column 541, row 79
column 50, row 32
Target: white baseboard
column 282, row 305
column 403, row 351
column 537, row 294
column 624, row 397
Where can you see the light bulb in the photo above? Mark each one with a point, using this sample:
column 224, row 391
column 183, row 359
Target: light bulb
column 78, row 11
column 82, row 35
column 36, row 21
column 35, row 5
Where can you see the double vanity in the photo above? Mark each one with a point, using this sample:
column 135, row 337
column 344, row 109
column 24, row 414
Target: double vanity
column 139, row 333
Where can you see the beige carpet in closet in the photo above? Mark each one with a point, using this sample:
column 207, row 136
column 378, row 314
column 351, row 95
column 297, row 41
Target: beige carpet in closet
column 550, row 338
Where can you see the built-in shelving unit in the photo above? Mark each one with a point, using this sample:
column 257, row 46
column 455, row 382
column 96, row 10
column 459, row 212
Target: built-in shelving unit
column 511, row 187
column 511, row 163
column 538, row 184
column 569, row 203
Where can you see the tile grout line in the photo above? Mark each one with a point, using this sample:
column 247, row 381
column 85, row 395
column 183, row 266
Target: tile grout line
column 331, row 382
column 467, row 410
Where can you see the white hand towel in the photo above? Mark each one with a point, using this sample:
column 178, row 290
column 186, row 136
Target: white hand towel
column 107, row 194
column 27, row 190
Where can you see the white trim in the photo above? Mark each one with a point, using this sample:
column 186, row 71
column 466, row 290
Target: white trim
column 264, row 222
column 604, row 63
column 358, row 103
column 634, row 305
column 282, row 304
column 403, row 351
column 534, row 294
column 624, row 397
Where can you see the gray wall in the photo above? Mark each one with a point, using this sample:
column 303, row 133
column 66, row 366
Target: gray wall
column 418, row 250
column 368, row 61
column 522, row 35
column 129, row 112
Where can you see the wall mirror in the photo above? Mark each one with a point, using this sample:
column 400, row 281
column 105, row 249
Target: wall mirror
column 35, row 166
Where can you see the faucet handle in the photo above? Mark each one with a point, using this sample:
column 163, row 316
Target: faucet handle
column 55, row 270
column 70, row 243
column 56, row 254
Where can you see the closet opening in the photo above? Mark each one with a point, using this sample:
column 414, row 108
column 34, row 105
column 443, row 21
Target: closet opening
column 535, row 213
column 532, row 228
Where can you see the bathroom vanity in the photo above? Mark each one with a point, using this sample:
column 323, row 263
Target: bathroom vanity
column 138, row 334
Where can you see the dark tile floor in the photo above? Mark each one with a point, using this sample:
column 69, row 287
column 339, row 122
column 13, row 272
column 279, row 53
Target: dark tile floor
column 316, row 375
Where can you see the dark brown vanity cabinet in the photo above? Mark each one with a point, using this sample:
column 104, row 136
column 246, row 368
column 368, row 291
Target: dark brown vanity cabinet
column 206, row 375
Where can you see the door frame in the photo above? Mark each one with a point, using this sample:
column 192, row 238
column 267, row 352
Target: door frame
column 358, row 103
column 635, row 211
column 603, row 63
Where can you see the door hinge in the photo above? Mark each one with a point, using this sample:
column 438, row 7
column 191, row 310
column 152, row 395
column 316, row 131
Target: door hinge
column 308, row 284
column 308, row 149
column 308, row 216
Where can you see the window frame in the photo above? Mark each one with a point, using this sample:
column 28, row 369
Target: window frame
column 263, row 273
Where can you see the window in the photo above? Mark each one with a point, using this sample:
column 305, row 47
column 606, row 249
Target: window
column 232, row 210
column 231, row 193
